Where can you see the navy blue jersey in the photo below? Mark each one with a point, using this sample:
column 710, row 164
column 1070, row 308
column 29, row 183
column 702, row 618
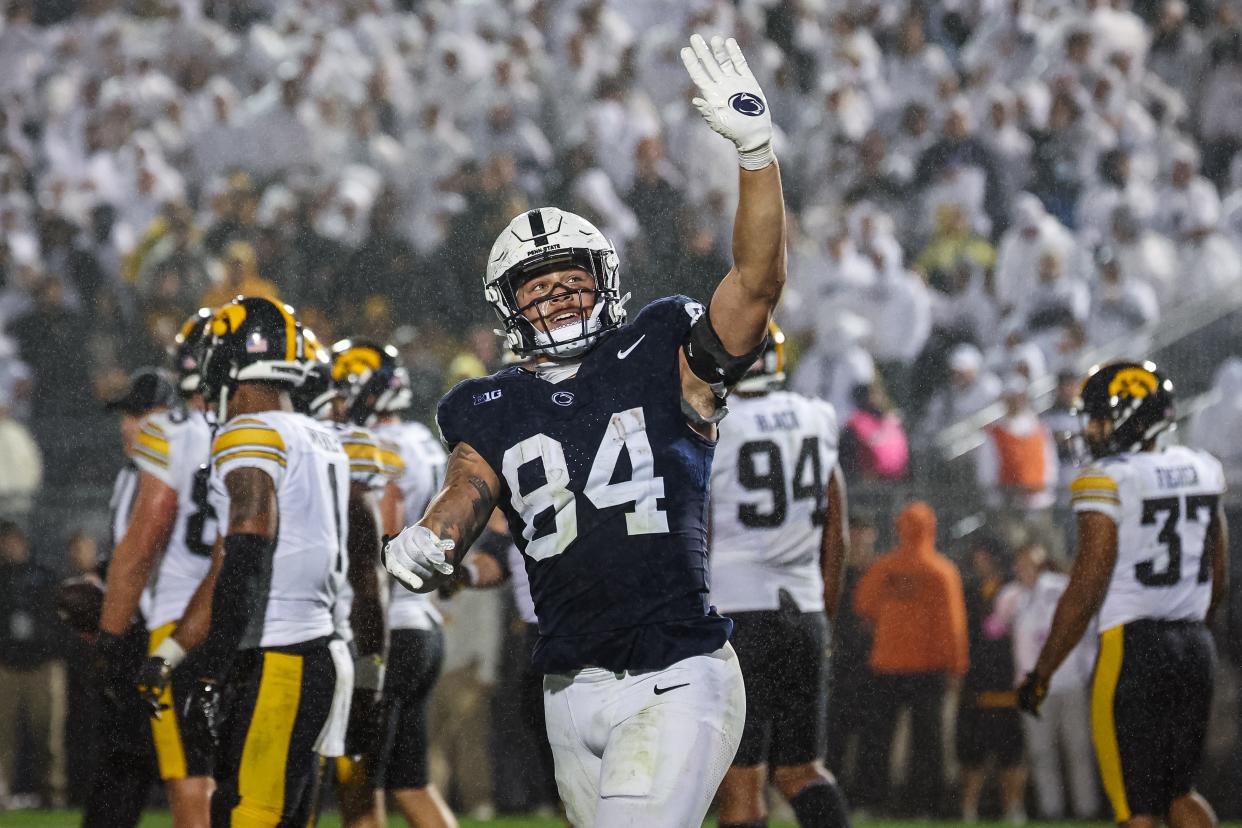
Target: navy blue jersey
column 605, row 490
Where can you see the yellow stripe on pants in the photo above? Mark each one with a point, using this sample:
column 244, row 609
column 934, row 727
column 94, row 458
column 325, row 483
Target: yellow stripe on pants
column 165, row 731
column 1103, row 727
column 261, row 775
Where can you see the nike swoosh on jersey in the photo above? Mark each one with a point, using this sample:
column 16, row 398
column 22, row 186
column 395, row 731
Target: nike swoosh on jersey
column 659, row 691
column 629, row 350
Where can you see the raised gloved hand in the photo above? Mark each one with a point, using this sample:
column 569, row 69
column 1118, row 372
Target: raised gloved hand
column 1031, row 693
column 416, row 559
column 730, row 99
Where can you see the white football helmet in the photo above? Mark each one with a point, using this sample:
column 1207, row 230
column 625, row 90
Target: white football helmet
column 546, row 239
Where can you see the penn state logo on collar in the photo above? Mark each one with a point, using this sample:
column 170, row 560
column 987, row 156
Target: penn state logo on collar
column 563, row 398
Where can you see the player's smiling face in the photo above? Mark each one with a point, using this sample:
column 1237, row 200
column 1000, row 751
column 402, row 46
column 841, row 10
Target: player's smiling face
column 559, row 297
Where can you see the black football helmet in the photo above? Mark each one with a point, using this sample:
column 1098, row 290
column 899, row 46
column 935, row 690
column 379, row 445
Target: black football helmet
column 1134, row 397
column 371, row 377
column 314, row 396
column 251, row 339
column 768, row 371
column 186, row 351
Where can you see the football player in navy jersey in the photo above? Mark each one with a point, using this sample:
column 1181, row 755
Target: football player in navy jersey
column 599, row 451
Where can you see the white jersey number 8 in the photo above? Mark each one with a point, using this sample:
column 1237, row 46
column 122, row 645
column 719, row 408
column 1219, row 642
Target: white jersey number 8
column 628, row 430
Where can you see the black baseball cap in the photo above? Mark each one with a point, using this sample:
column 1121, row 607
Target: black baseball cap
column 148, row 389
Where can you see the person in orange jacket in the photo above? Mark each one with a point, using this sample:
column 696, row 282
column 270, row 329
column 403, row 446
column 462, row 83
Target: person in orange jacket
column 912, row 598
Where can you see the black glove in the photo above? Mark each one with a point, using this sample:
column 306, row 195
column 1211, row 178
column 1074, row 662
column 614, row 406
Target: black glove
column 114, row 664
column 200, row 715
column 1031, row 693
column 153, row 678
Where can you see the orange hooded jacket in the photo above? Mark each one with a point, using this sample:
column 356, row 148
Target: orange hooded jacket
column 912, row 597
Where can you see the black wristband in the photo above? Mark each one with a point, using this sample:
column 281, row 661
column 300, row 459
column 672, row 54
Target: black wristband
column 238, row 594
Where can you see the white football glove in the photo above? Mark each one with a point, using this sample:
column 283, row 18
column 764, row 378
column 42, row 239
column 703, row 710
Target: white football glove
column 730, row 99
column 416, row 559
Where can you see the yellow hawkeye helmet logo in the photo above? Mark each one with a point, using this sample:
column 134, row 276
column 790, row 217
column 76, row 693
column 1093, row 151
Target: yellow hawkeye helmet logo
column 1135, row 383
column 355, row 362
column 228, row 319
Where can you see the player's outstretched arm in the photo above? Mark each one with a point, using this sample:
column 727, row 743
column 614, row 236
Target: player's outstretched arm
column 835, row 544
column 421, row 558
column 154, row 515
column 1088, row 584
column 734, row 106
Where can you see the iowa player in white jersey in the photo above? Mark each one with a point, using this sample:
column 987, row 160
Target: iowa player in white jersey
column 161, row 563
column 280, row 488
column 375, row 391
column 1152, row 562
column 778, row 543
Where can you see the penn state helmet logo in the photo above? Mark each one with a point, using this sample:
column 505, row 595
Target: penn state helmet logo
column 747, row 104
column 563, row 398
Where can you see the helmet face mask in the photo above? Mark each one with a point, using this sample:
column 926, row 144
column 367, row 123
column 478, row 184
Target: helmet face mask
column 541, row 241
column 1124, row 406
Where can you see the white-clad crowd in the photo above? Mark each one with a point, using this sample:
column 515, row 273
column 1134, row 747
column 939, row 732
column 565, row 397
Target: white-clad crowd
column 1029, row 176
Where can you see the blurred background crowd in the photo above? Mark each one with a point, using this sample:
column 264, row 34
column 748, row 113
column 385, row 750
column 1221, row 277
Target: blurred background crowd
column 985, row 197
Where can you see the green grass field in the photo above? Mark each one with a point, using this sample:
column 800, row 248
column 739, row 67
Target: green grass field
column 160, row 819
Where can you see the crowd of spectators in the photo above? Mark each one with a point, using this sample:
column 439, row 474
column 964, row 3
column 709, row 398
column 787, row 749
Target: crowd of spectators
column 1031, row 177
column 980, row 193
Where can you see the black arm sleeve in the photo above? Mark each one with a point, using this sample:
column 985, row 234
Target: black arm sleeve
column 247, row 560
column 711, row 362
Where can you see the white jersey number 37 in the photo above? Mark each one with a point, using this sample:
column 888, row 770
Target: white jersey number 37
column 626, row 429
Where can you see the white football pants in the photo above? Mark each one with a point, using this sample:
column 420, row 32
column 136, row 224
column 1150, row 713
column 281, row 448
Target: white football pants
column 646, row 749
